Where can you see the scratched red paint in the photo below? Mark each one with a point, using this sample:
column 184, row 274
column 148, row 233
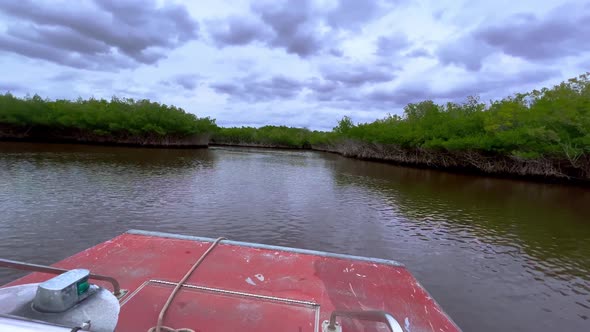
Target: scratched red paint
column 333, row 283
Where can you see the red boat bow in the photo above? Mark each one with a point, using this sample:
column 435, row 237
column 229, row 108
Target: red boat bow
column 253, row 287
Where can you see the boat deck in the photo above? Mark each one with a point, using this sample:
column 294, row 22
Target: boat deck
column 251, row 287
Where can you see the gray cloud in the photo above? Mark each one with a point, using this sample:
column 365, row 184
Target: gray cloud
column 226, row 88
column 331, row 92
column 467, row 52
column 336, row 52
column 531, row 38
column 358, row 75
column 338, row 83
column 437, row 15
column 384, row 99
column 562, row 32
column 10, row 87
column 289, row 25
column 419, row 52
column 108, row 30
column 352, row 13
column 41, row 51
column 58, row 37
column 342, row 97
column 65, row 76
column 174, row 20
column 239, row 31
column 392, row 45
column 501, row 82
column 322, row 86
column 133, row 34
column 294, row 25
column 252, row 89
column 418, row 91
column 256, row 90
column 187, row 81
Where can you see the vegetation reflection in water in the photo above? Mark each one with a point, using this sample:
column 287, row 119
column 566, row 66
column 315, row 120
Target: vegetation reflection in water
column 487, row 249
column 498, row 213
column 520, row 233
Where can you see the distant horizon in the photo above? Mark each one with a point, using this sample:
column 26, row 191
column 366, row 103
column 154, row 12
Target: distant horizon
column 298, row 63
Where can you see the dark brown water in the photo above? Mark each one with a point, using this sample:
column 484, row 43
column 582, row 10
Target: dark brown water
column 498, row 255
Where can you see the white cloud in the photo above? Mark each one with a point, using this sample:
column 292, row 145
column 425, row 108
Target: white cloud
column 303, row 63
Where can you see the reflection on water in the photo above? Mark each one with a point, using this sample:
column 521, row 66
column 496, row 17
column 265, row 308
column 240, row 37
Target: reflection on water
column 495, row 253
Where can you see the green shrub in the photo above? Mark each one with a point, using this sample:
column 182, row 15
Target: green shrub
column 102, row 117
column 551, row 122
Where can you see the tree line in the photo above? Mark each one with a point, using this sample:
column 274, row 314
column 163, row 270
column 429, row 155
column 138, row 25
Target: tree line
column 548, row 123
column 551, row 122
column 101, row 117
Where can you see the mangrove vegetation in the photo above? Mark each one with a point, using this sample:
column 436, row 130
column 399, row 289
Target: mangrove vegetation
column 125, row 121
column 542, row 133
column 267, row 136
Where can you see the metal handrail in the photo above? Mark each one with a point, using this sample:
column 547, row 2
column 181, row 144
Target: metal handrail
column 370, row 315
column 55, row 270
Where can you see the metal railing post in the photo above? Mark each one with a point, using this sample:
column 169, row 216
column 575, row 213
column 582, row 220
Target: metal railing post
column 55, row 270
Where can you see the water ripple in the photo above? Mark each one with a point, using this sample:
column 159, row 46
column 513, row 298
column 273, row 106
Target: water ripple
column 488, row 250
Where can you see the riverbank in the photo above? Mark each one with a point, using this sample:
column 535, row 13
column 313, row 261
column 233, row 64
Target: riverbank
column 464, row 162
column 540, row 134
column 125, row 122
column 472, row 162
column 39, row 134
column 261, row 146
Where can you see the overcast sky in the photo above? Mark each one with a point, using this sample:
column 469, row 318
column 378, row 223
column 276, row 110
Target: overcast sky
column 299, row 63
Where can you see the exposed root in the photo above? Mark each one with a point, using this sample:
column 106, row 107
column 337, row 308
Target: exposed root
column 566, row 168
column 41, row 134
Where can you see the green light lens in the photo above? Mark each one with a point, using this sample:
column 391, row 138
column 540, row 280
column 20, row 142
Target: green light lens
column 83, row 286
